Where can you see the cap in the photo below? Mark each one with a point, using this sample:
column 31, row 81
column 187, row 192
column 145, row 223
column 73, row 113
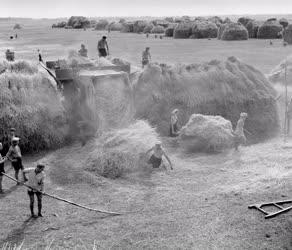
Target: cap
column 104, row 37
column 15, row 139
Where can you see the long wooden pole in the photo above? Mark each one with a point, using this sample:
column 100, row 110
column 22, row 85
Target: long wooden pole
column 67, row 201
column 286, row 104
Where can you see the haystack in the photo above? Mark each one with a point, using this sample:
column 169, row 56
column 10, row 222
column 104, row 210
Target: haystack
column 101, row 24
column 287, row 34
column 139, row 26
column 223, row 88
column 123, row 150
column 148, row 28
column 206, row 133
column 277, row 75
column 270, row 30
column 253, row 28
column 128, row 27
column 158, row 30
column 234, row 31
column 284, row 22
column 204, row 30
column 182, row 30
column 30, row 102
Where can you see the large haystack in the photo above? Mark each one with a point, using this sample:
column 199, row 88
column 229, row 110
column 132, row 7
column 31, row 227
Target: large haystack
column 270, row 30
column 102, row 24
column 206, row 133
column 157, row 30
column 30, row 102
column 215, row 88
column 233, row 31
column 253, row 28
column 287, row 34
column 278, row 73
column 182, row 30
column 204, row 30
column 139, row 26
column 123, row 150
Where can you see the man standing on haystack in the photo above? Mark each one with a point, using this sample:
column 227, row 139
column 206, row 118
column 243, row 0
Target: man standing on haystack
column 239, row 137
column 146, row 57
column 102, row 47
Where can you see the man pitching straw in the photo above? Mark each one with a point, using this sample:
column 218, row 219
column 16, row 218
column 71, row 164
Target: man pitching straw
column 239, row 137
column 156, row 158
column 36, row 178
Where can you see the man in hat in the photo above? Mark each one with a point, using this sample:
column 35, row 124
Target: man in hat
column 239, row 137
column 156, row 158
column 14, row 155
column 102, row 47
column 146, row 57
column 36, row 178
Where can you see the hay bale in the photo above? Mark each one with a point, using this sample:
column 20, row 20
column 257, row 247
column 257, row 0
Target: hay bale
column 287, row 34
column 148, row 28
column 157, row 30
column 224, row 88
column 182, row 30
column 122, row 150
column 234, row 31
column 270, row 30
column 253, row 28
column 284, row 22
column 244, row 20
column 17, row 26
column 128, row 27
column 78, row 22
column 139, row 26
column 204, row 30
column 101, row 24
column 206, row 133
column 30, row 102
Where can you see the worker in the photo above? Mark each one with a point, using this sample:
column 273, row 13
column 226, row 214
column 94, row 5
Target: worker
column 239, row 137
column 156, row 158
column 289, row 116
column 14, row 155
column 83, row 51
column 6, row 142
column 16, row 36
column 174, row 131
column 36, row 178
column 102, row 47
column 2, row 170
column 146, row 57
column 40, row 56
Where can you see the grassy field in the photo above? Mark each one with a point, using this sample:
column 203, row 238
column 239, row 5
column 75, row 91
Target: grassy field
column 202, row 204
column 55, row 43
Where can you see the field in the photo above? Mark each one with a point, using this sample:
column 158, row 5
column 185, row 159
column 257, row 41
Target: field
column 201, row 204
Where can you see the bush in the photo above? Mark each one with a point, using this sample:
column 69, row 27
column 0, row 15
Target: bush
column 157, row 30
column 234, row 31
column 284, row 22
column 169, row 31
column 78, row 22
column 169, row 19
column 115, row 26
column 139, row 26
column 253, row 28
column 287, row 34
column 128, row 27
column 148, row 28
column 215, row 19
column 244, row 20
column 30, row 102
column 270, row 30
column 227, row 20
column 204, row 30
column 101, row 24
column 182, row 30
column 224, row 88
column 59, row 25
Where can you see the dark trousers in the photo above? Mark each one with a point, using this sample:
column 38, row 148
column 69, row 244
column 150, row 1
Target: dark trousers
column 31, row 198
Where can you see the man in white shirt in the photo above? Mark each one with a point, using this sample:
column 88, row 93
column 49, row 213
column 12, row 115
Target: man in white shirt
column 36, row 178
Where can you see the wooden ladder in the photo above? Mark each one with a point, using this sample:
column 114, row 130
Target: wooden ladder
column 276, row 204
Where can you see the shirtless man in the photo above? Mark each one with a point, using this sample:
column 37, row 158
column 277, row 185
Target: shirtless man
column 102, row 47
column 156, row 158
column 239, row 137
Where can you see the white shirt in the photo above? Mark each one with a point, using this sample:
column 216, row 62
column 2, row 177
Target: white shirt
column 36, row 181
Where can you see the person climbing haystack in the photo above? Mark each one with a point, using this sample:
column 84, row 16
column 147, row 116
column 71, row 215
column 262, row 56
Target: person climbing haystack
column 239, row 137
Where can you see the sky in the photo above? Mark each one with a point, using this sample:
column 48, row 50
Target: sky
column 97, row 8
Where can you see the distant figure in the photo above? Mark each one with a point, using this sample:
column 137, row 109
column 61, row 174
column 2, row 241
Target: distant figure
column 15, row 36
column 36, row 179
column 2, row 170
column 156, row 158
column 271, row 43
column 40, row 56
column 174, row 131
column 9, row 55
column 83, row 51
column 155, row 36
column 289, row 116
column 103, row 47
column 146, row 57
column 239, row 137
column 11, row 37
column 147, row 35
column 14, row 155
column 285, row 44
column 161, row 37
